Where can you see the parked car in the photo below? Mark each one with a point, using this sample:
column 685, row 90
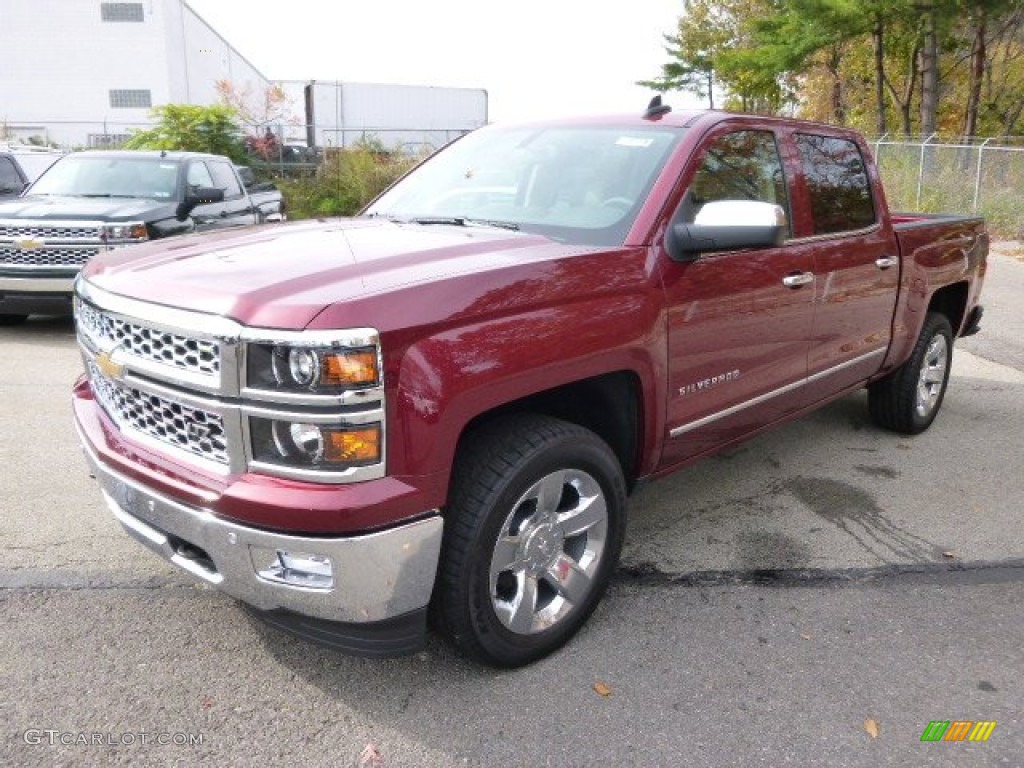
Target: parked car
column 21, row 164
column 95, row 201
column 445, row 403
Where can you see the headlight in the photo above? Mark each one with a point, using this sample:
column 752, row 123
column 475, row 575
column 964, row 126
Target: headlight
column 302, row 445
column 133, row 231
column 311, row 370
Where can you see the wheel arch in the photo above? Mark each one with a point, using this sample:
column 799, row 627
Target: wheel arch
column 610, row 405
column 951, row 301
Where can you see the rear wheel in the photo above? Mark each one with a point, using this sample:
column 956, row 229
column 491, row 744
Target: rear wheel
column 534, row 531
column 908, row 399
column 12, row 319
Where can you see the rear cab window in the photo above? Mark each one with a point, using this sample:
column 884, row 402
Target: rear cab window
column 224, row 178
column 838, row 187
column 10, row 179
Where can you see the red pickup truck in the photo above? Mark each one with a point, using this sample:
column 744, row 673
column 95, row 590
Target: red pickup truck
column 442, row 405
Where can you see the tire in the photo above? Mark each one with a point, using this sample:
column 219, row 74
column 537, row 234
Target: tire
column 512, row 585
column 12, row 319
column 908, row 399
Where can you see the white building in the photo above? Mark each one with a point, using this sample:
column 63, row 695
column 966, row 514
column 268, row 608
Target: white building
column 407, row 117
column 82, row 72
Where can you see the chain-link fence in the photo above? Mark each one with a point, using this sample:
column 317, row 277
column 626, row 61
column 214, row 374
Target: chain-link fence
column 279, row 149
column 933, row 174
column 80, row 134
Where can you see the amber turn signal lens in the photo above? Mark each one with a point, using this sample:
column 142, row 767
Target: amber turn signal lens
column 360, row 445
column 354, row 368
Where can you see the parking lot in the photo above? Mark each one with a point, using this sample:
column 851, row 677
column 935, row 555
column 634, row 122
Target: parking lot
column 816, row 597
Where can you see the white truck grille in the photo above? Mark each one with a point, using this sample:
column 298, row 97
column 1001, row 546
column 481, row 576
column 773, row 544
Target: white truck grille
column 45, row 257
column 42, row 230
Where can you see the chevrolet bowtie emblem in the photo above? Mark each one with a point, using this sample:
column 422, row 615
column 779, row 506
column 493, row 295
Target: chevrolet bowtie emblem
column 110, row 369
column 28, row 243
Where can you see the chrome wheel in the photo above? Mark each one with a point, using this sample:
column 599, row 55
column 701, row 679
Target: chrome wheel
column 548, row 551
column 909, row 398
column 932, row 378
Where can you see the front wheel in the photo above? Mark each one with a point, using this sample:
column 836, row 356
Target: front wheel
column 534, row 530
column 908, row 399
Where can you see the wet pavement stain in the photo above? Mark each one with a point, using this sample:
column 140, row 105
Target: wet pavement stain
column 856, row 513
column 875, row 471
column 761, row 549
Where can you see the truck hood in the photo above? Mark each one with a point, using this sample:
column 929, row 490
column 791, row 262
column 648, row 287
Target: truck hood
column 85, row 208
column 283, row 276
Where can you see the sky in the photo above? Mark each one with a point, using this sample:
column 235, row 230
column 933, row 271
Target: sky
column 535, row 58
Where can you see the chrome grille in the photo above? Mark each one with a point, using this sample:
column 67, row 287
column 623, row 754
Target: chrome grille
column 199, row 432
column 46, row 257
column 187, row 354
column 91, row 232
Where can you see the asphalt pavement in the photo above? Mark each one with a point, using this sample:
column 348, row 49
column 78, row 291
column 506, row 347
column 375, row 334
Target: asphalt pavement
column 817, row 596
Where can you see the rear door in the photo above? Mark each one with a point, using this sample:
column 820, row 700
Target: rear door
column 238, row 207
column 856, row 264
column 738, row 334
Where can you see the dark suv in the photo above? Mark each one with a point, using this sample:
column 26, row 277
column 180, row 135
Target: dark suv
column 20, row 166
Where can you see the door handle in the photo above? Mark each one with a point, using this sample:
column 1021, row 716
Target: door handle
column 795, row 281
column 884, row 262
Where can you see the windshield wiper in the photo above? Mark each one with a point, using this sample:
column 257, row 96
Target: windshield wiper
column 464, row 221
column 103, row 194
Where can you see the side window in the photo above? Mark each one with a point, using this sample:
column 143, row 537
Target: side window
column 743, row 165
column 224, row 178
column 837, row 183
column 198, row 176
column 9, row 178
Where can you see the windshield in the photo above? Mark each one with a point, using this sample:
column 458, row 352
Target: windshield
column 575, row 184
column 34, row 164
column 108, row 176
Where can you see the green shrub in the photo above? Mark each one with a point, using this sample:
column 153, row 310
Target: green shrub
column 345, row 182
column 192, row 128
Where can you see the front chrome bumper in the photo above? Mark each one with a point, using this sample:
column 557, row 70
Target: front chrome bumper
column 376, row 576
column 30, row 284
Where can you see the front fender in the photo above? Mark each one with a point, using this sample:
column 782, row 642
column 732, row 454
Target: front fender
column 448, row 379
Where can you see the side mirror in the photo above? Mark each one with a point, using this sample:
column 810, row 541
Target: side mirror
column 728, row 225
column 199, row 196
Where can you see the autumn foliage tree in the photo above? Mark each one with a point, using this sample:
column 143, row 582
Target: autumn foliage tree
column 919, row 66
column 261, row 113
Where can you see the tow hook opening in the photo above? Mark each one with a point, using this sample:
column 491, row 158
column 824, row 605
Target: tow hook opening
column 193, row 554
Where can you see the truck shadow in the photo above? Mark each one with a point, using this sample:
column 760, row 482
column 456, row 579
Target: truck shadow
column 46, row 329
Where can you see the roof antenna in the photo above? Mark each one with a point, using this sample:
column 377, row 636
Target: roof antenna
column 656, row 109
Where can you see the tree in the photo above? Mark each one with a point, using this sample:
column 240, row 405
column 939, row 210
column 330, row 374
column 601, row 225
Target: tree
column 927, row 65
column 703, row 33
column 709, row 48
column 191, row 127
column 260, row 113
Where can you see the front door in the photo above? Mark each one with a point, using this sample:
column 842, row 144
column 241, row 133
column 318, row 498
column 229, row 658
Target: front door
column 738, row 334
